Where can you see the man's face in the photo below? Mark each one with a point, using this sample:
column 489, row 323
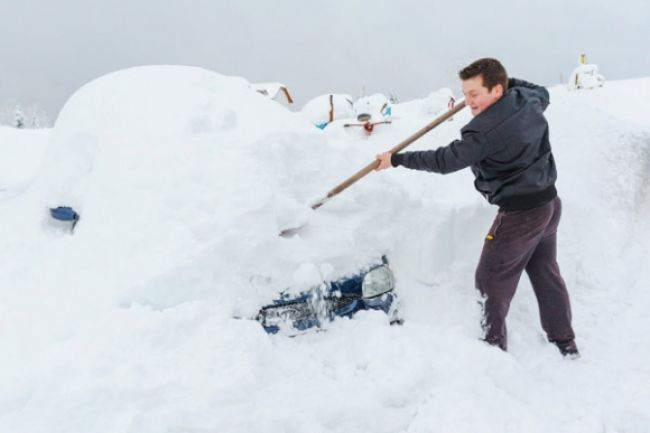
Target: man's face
column 477, row 97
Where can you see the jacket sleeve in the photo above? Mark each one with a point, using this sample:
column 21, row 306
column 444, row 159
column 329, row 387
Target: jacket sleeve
column 539, row 91
column 471, row 148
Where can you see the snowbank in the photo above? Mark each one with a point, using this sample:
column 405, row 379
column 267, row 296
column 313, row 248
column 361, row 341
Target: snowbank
column 183, row 179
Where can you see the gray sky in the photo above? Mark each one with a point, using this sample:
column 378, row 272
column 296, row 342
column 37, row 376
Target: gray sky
column 50, row 48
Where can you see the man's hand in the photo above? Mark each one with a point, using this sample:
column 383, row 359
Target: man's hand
column 384, row 161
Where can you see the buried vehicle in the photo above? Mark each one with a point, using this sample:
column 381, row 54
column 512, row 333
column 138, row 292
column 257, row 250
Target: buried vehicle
column 186, row 192
column 372, row 288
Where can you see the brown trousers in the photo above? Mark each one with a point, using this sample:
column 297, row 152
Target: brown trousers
column 518, row 241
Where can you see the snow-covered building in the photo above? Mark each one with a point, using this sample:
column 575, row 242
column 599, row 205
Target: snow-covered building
column 276, row 91
column 585, row 76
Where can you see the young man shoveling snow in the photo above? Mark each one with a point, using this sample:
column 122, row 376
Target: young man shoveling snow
column 507, row 146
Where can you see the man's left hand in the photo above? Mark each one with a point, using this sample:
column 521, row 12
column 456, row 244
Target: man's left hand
column 384, row 161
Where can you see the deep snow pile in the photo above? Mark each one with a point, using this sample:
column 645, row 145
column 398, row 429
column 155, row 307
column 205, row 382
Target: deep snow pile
column 184, row 177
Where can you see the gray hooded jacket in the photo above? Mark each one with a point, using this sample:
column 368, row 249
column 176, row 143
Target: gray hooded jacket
column 507, row 147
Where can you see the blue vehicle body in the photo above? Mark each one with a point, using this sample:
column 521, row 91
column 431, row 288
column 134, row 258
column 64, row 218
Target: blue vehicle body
column 65, row 214
column 340, row 298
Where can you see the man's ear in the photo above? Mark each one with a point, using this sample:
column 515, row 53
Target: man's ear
column 498, row 90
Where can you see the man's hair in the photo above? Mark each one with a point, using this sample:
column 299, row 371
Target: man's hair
column 491, row 70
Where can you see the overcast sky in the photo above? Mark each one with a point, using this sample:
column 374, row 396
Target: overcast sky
column 49, row 48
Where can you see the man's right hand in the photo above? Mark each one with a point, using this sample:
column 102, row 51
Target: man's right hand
column 384, row 161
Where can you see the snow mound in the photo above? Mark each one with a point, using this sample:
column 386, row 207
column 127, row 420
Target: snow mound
column 174, row 167
column 157, row 124
column 183, row 179
column 325, row 108
column 434, row 103
column 170, row 220
column 22, row 151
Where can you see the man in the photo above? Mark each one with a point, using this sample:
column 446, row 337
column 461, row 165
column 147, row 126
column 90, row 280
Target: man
column 507, row 146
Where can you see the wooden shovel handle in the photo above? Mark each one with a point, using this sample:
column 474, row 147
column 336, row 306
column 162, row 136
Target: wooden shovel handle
column 373, row 165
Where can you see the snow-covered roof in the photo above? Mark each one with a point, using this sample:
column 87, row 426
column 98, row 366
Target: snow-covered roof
column 273, row 90
column 585, row 76
column 374, row 105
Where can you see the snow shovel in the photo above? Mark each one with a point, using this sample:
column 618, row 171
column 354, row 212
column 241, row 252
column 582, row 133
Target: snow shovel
column 370, row 167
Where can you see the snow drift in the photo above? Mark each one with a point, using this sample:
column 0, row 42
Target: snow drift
column 184, row 177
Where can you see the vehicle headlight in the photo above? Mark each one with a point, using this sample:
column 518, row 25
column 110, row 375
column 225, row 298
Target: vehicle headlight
column 377, row 282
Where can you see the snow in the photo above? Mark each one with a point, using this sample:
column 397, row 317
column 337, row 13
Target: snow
column 434, row 103
column 183, row 178
column 585, row 77
column 22, row 153
column 377, row 106
column 317, row 109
